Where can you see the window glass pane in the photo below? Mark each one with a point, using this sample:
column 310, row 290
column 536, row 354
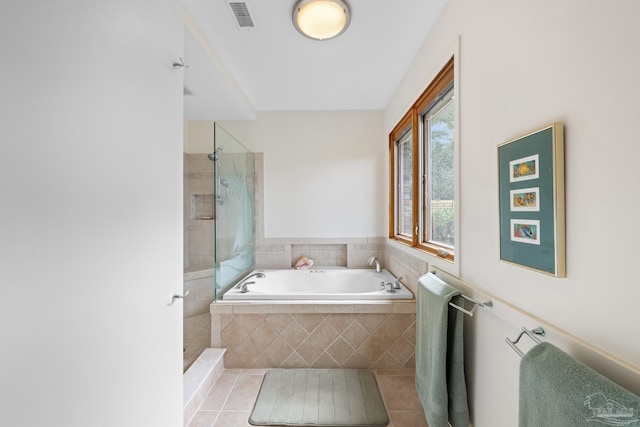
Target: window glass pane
column 439, row 132
column 404, row 207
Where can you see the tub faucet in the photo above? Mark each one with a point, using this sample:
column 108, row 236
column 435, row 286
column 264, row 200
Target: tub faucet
column 244, row 288
column 257, row 275
column 374, row 259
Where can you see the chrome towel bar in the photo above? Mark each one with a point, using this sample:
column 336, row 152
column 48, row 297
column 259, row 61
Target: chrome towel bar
column 475, row 303
column 531, row 333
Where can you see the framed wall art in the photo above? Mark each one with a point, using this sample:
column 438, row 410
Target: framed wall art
column 531, row 198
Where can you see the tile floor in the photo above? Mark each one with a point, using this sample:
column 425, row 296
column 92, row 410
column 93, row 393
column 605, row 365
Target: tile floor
column 231, row 399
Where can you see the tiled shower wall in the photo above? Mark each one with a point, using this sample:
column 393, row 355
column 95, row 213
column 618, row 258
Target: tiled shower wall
column 198, row 175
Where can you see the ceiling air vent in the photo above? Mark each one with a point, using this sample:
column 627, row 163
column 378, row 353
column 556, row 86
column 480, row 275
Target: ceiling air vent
column 241, row 11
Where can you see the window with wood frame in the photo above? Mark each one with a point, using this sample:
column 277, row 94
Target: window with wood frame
column 422, row 166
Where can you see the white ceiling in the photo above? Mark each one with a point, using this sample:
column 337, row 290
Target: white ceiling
column 235, row 72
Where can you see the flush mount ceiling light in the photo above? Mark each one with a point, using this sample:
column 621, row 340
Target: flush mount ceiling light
column 321, row 19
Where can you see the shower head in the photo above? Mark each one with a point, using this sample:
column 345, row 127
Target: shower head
column 214, row 156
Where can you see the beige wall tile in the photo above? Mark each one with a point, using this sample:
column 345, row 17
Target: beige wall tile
column 278, row 351
column 279, row 321
column 357, row 360
column 294, row 361
column 262, row 361
column 361, row 340
column 263, row 335
column 355, row 334
column 386, row 361
column 219, row 308
column 215, row 331
column 370, row 321
column 387, row 307
column 401, row 350
column 404, row 307
column 309, row 321
column 325, row 361
column 294, row 334
column 333, row 308
column 252, row 308
column 339, row 322
column 340, row 350
column 310, row 351
column 323, row 335
column 293, row 307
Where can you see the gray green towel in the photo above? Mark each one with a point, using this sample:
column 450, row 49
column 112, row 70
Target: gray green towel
column 440, row 379
column 558, row 390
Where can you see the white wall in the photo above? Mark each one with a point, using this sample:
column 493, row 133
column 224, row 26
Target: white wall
column 90, row 224
column 324, row 172
column 524, row 65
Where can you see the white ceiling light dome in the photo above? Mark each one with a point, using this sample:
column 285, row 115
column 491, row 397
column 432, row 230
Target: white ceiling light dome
column 321, row 19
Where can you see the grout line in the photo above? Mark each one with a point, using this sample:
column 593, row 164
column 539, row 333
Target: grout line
column 233, row 386
column 207, row 394
column 242, row 372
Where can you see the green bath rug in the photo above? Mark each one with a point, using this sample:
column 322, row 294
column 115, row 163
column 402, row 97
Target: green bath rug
column 319, row 397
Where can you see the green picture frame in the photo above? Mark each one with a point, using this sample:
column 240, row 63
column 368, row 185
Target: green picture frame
column 531, row 201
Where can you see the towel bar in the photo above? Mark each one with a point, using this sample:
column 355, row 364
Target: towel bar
column 531, row 333
column 475, row 303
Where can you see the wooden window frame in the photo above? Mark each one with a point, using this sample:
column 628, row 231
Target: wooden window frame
column 409, row 120
column 413, row 118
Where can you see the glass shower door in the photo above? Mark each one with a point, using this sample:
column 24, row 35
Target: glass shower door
column 234, row 230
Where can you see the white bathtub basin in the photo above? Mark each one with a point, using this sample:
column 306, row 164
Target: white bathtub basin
column 319, row 284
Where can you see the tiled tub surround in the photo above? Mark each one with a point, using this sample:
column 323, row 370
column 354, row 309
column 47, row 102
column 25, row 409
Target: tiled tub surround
column 349, row 334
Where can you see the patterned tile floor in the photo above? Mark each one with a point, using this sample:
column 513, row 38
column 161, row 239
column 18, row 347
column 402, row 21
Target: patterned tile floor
column 231, row 399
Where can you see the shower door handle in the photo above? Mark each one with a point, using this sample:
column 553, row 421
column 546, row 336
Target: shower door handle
column 174, row 297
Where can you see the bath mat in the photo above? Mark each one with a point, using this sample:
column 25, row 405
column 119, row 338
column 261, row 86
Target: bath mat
column 319, row 397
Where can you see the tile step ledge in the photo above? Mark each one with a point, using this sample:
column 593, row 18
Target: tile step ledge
column 199, row 379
